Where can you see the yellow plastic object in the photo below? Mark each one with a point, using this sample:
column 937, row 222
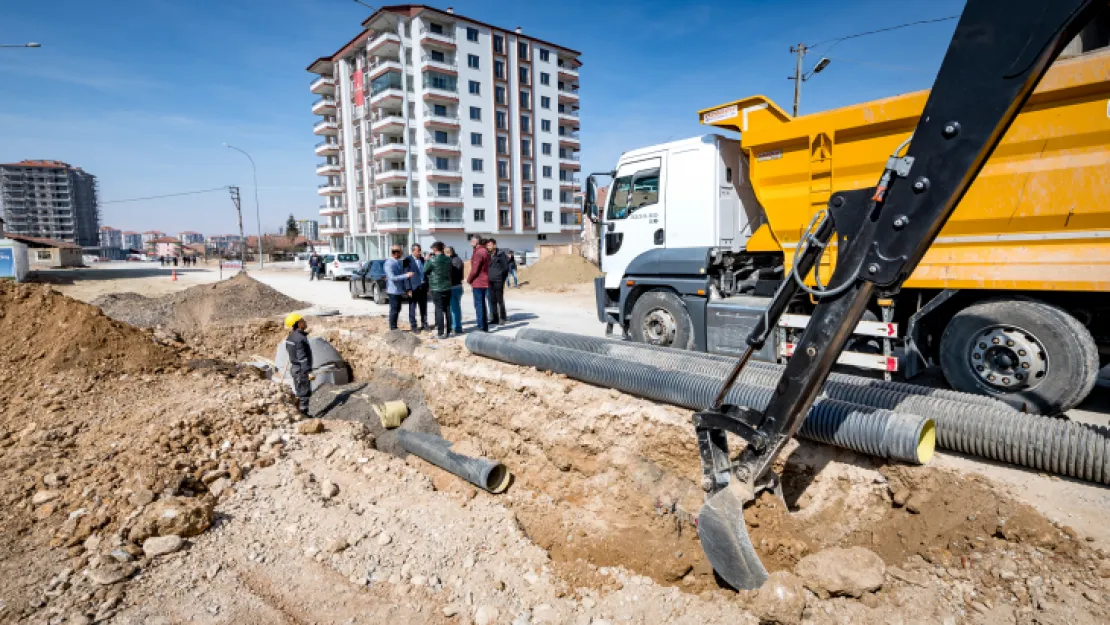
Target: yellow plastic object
column 927, row 444
column 1036, row 218
column 291, row 320
column 392, row 413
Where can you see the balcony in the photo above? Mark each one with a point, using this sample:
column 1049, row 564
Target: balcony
column 569, row 204
column 431, row 120
column 568, row 115
column 568, row 71
column 333, row 231
column 329, row 169
column 447, row 64
column 446, row 218
column 444, row 198
column 438, row 92
column 392, row 198
column 385, row 44
column 326, row 128
column 570, row 182
column 569, row 161
column 381, row 66
column 446, row 148
column 329, row 189
column 570, row 221
column 323, row 84
column 393, row 218
column 324, row 106
column 387, row 122
column 568, row 94
column 388, row 94
column 383, row 149
column 440, row 40
column 387, row 174
column 570, row 139
column 328, row 211
column 444, row 174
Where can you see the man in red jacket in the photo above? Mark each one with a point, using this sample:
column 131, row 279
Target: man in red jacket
column 479, row 280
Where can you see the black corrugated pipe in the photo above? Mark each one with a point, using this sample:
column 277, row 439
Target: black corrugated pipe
column 710, row 364
column 895, row 435
column 489, row 475
column 994, row 431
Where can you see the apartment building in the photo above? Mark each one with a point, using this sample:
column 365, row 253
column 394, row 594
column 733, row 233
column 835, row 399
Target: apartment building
column 309, row 229
column 149, row 236
column 110, row 237
column 190, row 238
column 50, row 199
column 132, row 240
column 446, row 126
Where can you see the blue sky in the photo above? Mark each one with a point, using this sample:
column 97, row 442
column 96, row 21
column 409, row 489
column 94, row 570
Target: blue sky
column 143, row 93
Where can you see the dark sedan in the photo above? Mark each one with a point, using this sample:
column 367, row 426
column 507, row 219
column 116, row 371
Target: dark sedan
column 369, row 281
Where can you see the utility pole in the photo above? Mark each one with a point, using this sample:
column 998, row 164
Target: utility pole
column 800, row 50
column 242, row 239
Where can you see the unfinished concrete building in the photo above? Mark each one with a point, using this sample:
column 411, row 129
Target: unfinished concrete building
column 50, row 199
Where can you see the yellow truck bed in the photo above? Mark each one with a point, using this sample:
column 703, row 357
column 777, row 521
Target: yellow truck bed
column 1037, row 218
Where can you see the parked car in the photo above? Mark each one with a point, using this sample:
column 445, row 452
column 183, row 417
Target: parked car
column 341, row 265
column 369, row 281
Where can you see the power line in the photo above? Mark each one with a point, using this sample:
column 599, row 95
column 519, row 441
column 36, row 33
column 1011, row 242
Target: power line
column 883, row 30
column 158, row 197
column 881, row 65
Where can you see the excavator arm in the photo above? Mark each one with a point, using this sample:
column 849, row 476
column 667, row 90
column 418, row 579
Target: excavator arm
column 998, row 54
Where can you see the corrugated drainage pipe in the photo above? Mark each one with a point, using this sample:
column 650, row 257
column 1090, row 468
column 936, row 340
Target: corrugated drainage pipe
column 488, row 475
column 1046, row 444
column 709, row 363
column 895, row 435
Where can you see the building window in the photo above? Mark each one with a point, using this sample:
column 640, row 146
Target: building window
column 503, row 169
column 475, row 87
column 472, row 61
column 472, row 35
column 503, row 145
column 443, row 189
column 476, row 164
column 525, row 123
column 439, row 110
column 443, row 163
column 522, row 50
column 526, row 147
column 502, row 120
column 436, row 28
column 524, row 75
column 438, row 56
column 545, row 78
column 526, row 171
column 479, row 214
column 541, row 237
column 503, row 194
column 545, row 125
column 479, row 190
column 499, row 95
column 441, row 136
column 499, row 44
column 526, row 195
column 546, row 149
column 475, row 138
column 545, row 102
column 548, row 216
column 545, row 55
column 499, row 70
column 475, row 113
column 43, row 255
column 547, row 171
column 548, row 195
column 525, row 100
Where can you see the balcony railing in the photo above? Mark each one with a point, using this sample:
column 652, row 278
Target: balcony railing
column 393, row 216
column 448, row 145
column 383, row 38
column 570, row 219
column 446, row 215
column 321, row 81
column 448, row 37
column 325, row 126
column 323, row 103
column 447, row 62
column 566, row 69
column 570, row 180
column 569, row 157
column 569, row 90
column 565, row 112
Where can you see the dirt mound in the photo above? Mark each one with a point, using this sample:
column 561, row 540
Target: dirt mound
column 50, row 332
column 559, row 271
column 233, row 301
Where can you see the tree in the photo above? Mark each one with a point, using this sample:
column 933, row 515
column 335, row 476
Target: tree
column 291, row 229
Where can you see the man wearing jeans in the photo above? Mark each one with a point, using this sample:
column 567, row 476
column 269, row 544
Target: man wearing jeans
column 395, row 283
column 479, row 280
column 456, row 288
column 418, row 287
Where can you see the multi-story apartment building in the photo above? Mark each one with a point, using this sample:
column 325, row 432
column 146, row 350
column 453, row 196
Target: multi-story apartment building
column 110, row 237
column 50, row 199
column 133, row 240
column 225, row 242
column 309, row 229
column 448, row 126
column 150, row 235
column 190, row 238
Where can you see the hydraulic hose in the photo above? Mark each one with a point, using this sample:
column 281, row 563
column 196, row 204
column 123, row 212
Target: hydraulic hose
column 874, row 431
column 986, row 429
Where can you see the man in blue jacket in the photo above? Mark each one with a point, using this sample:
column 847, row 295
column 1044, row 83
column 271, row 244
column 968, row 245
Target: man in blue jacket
column 418, row 295
column 396, row 284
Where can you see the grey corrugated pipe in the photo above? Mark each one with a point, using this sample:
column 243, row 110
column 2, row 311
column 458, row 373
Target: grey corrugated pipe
column 710, row 363
column 874, row 431
column 994, row 431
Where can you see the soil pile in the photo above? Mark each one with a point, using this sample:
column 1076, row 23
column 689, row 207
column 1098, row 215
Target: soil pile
column 50, row 332
column 559, row 271
column 233, row 301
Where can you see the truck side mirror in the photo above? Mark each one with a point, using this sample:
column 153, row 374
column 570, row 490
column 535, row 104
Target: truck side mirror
column 589, row 199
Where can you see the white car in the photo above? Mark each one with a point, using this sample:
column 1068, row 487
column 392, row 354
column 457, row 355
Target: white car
column 341, row 265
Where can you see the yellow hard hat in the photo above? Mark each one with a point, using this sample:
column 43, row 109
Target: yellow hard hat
column 291, row 319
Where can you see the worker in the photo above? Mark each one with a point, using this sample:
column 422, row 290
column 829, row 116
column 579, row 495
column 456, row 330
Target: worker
column 438, row 271
column 456, row 288
column 300, row 360
column 479, row 280
column 313, row 266
column 498, row 273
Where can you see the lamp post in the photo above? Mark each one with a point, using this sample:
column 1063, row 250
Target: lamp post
column 21, row 45
column 257, row 212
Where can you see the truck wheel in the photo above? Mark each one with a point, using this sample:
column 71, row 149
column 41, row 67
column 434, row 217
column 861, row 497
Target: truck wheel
column 1021, row 351
column 376, row 291
column 660, row 318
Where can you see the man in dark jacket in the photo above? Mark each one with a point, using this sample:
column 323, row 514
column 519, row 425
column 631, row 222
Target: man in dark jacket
column 456, row 288
column 438, row 273
column 300, row 360
column 479, row 280
column 418, row 289
column 313, row 266
column 498, row 273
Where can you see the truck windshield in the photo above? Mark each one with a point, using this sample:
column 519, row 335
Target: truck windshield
column 633, row 192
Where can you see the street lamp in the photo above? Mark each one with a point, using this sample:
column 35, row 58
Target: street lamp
column 21, row 45
column 257, row 213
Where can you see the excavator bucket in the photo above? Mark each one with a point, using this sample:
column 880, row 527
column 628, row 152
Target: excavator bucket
column 725, row 540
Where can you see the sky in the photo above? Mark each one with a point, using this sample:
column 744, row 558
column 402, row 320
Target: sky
column 144, row 93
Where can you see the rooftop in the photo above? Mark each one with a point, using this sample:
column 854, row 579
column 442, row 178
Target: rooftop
column 46, row 164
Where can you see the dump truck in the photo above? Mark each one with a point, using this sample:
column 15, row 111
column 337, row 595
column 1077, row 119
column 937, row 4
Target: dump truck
column 1010, row 300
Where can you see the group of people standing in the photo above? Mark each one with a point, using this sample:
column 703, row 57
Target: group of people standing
column 439, row 277
column 188, row 261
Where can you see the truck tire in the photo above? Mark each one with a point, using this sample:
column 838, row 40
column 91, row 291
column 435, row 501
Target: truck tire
column 660, row 318
column 376, row 291
column 1024, row 352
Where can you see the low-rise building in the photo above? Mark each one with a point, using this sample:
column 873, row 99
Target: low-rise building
column 150, row 235
column 164, row 246
column 190, row 238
